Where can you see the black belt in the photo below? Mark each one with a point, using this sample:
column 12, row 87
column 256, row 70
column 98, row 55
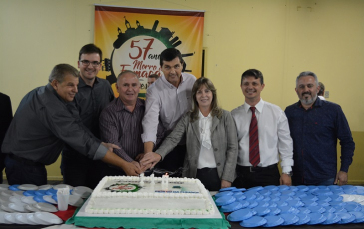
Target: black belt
column 252, row 169
column 24, row 160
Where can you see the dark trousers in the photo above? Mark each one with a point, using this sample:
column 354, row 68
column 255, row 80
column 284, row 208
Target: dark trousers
column 209, row 178
column 248, row 177
column 174, row 161
column 79, row 170
column 23, row 171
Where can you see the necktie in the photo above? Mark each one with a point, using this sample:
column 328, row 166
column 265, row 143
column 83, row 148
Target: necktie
column 254, row 157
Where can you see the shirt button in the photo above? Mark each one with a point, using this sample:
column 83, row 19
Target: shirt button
column 218, row 164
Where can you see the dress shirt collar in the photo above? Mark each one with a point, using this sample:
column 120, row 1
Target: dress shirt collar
column 165, row 81
column 120, row 105
column 258, row 107
column 82, row 83
column 201, row 116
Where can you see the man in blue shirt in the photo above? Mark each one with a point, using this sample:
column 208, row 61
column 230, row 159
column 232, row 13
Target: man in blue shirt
column 315, row 126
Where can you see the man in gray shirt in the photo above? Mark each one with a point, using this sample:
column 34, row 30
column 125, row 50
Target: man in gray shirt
column 45, row 120
column 92, row 97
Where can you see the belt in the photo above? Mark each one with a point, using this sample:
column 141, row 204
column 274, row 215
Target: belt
column 24, row 160
column 252, row 169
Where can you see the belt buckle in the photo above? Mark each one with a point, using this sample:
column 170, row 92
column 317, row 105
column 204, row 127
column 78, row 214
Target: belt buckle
column 251, row 169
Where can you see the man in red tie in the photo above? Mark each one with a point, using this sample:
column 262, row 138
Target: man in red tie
column 264, row 137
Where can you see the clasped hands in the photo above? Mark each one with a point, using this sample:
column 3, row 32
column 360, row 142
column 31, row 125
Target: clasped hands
column 141, row 163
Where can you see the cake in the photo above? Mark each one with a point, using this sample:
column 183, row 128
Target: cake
column 150, row 195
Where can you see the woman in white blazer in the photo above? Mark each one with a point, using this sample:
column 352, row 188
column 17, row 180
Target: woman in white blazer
column 211, row 139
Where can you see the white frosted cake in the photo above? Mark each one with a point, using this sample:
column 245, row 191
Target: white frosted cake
column 150, row 195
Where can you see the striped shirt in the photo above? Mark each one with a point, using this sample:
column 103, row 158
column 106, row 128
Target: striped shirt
column 123, row 128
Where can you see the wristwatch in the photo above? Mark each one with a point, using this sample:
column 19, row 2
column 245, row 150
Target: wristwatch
column 290, row 173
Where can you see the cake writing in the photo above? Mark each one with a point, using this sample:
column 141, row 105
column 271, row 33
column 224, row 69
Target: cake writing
column 123, row 187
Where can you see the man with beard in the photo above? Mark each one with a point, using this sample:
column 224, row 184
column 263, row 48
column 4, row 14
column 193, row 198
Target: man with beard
column 315, row 126
column 263, row 137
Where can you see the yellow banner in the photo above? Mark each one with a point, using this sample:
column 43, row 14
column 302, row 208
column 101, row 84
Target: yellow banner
column 133, row 38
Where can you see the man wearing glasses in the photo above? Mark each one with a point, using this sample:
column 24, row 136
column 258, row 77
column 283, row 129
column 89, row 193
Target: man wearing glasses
column 92, row 97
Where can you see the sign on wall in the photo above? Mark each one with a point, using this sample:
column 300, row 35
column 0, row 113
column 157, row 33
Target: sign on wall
column 133, row 38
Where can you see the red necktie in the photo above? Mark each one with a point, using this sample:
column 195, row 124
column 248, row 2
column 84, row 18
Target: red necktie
column 254, row 157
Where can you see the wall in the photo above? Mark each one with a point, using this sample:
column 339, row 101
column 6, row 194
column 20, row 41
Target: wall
column 281, row 38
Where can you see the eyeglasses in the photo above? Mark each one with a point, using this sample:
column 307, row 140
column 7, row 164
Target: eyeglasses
column 87, row 63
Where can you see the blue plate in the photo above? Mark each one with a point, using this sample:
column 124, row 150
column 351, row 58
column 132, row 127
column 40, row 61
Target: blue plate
column 288, row 193
column 227, row 189
column 351, row 207
column 323, row 203
column 250, row 195
column 54, row 192
column 244, row 203
column 255, row 221
column 289, row 219
column 266, row 198
column 259, row 197
column 231, row 207
column 271, row 188
column 40, row 199
column 41, row 192
column 276, row 193
column 316, row 218
column 281, row 203
column 331, row 218
column 224, row 200
column 264, row 192
column 295, row 203
column 285, row 197
column 256, row 188
column 272, row 204
column 274, row 211
column 312, row 188
column 359, row 217
column 346, row 217
column 252, row 203
column 308, row 203
column 261, row 211
column 263, row 204
column 330, row 209
column 273, row 221
column 239, row 196
column 338, row 192
column 303, row 188
column 217, row 195
column 304, row 210
column 293, row 188
column 303, row 219
column 324, row 198
column 334, row 187
column 238, row 190
column 339, row 208
column 323, row 187
column 340, row 203
column 274, row 198
column 309, row 197
column 283, row 187
column 14, row 187
column 335, row 197
column 301, row 194
column 29, row 193
column 316, row 209
column 55, row 198
column 240, row 215
column 288, row 209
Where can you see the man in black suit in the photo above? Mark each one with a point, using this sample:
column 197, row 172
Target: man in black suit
column 6, row 115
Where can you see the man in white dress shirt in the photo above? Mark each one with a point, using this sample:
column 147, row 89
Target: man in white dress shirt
column 167, row 100
column 273, row 142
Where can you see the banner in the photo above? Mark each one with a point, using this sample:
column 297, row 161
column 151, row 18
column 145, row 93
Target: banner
column 133, row 38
